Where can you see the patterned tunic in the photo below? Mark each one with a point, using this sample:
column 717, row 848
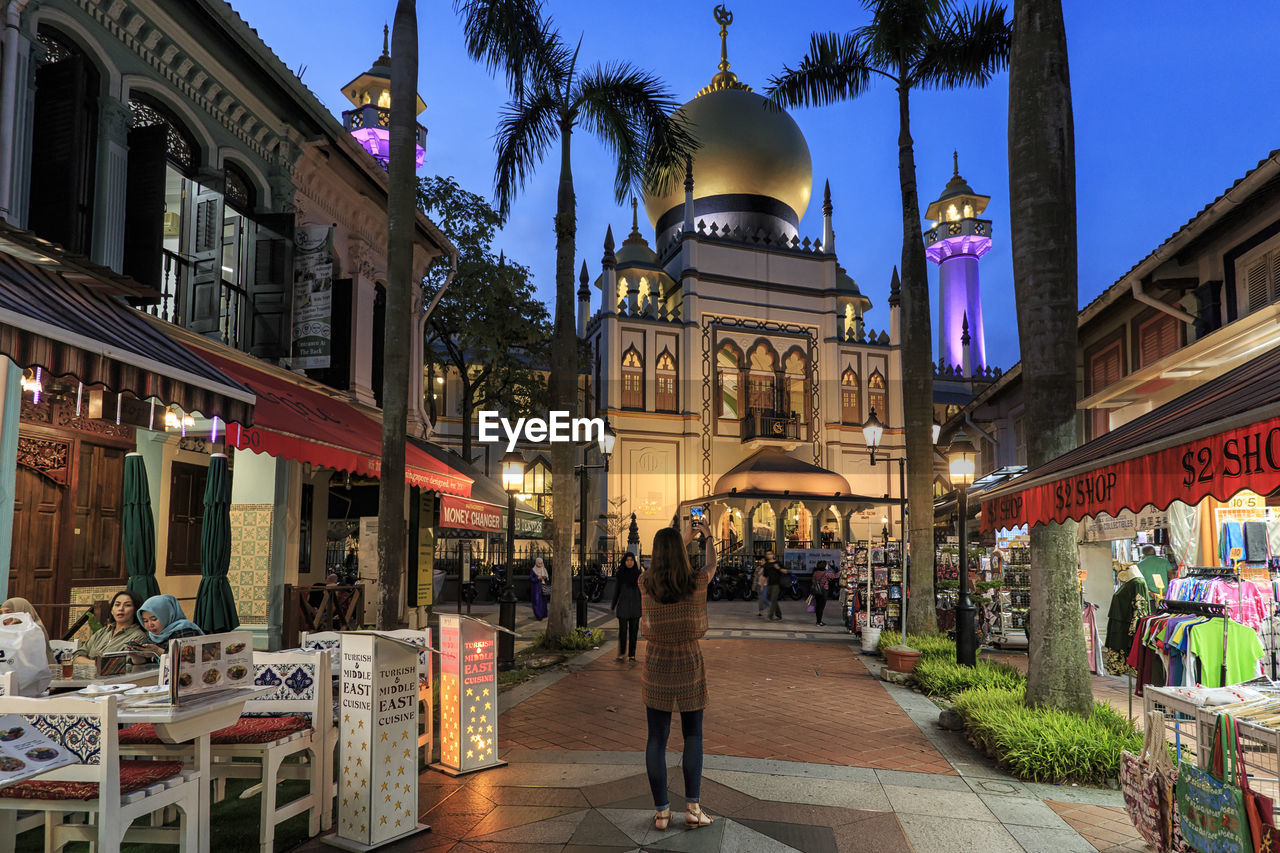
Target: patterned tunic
column 674, row 678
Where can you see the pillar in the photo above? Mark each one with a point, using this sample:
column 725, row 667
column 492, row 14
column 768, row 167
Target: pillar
column 363, row 294
column 779, row 531
column 110, row 189
column 10, row 410
column 418, row 424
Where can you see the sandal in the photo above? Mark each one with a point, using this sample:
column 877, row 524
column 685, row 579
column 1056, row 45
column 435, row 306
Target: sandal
column 661, row 819
column 618, row 658
column 695, row 817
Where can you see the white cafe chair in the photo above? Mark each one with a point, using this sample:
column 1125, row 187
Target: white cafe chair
column 114, row 792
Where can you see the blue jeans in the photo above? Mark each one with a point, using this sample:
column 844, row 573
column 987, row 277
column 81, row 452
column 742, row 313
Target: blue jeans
column 655, row 754
column 763, row 599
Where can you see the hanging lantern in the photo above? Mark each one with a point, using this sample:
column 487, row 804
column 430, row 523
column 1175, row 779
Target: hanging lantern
column 31, row 382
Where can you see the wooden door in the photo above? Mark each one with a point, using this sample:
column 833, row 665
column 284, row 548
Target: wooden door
column 37, row 537
column 97, row 550
column 186, row 518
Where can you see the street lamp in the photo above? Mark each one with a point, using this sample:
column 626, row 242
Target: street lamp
column 605, row 445
column 512, row 482
column 872, row 432
column 962, row 464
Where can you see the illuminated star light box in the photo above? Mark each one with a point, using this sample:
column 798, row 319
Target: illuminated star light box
column 468, row 695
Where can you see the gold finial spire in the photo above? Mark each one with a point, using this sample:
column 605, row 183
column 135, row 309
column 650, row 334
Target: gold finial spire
column 386, row 53
column 955, row 159
column 724, row 78
column 635, row 228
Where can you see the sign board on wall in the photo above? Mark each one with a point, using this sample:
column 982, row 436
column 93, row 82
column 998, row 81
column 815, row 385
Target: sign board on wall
column 1125, row 525
column 312, row 296
column 465, row 514
column 468, row 695
column 426, row 561
column 378, row 742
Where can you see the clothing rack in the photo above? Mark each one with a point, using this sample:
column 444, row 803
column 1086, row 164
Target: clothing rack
column 1211, row 610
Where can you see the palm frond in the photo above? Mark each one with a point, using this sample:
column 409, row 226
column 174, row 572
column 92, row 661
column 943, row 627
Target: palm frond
column 512, row 36
column 893, row 40
column 968, row 49
column 837, row 67
column 629, row 110
column 526, row 129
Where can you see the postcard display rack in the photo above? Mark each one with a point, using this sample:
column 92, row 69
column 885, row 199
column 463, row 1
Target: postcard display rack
column 1014, row 598
column 879, row 579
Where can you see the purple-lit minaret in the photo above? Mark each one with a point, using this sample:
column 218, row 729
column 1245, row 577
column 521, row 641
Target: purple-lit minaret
column 955, row 240
column 370, row 121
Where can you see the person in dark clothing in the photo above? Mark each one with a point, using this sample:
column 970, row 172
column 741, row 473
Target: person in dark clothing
column 773, row 572
column 626, row 606
column 818, row 588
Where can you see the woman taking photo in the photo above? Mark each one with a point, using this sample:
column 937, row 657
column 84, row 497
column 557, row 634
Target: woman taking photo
column 674, row 605
column 123, row 629
column 626, row 605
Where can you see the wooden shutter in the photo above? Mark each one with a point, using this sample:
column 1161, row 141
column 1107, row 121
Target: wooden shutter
column 1105, row 368
column 63, row 153
column 204, row 296
column 1255, row 285
column 1158, row 337
column 97, row 551
column 271, row 289
column 144, row 205
column 1275, row 275
column 186, row 518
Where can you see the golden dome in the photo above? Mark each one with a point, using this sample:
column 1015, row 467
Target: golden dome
column 746, row 147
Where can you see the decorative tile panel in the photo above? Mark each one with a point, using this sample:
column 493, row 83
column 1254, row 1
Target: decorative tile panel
column 250, row 570
column 79, row 734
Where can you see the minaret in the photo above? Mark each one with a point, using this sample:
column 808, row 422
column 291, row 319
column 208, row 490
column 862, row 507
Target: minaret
column 688, row 195
column 828, row 233
column 370, row 121
column 584, row 300
column 895, row 308
column 955, row 243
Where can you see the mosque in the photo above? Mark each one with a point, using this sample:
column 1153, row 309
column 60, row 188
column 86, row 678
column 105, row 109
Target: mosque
column 736, row 358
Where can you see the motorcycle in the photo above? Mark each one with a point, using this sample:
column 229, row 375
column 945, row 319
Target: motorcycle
column 716, row 588
column 791, row 587
column 497, row 582
column 593, row 584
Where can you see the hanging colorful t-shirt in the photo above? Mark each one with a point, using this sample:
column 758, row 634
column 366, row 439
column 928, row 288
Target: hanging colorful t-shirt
column 1244, row 650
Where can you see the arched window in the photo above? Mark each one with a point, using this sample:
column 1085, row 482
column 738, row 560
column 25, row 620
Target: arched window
column 666, row 400
column 179, row 145
column 762, row 391
column 877, row 399
column 850, row 411
column 728, row 368
column 64, row 144
column 537, row 484
column 240, row 192
column 795, row 366
column 632, row 379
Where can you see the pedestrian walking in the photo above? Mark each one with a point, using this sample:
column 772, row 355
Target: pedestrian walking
column 773, row 572
column 762, row 591
column 626, row 605
column 818, row 588
column 539, row 586
column 674, row 607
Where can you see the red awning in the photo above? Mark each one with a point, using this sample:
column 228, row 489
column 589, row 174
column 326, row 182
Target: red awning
column 296, row 422
column 1214, row 441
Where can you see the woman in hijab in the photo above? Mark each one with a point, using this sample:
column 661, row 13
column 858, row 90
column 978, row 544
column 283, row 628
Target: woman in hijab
column 626, row 606
column 539, row 578
column 21, row 605
column 163, row 620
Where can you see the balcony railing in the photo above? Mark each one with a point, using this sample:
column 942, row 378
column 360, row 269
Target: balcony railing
column 762, row 424
column 174, row 272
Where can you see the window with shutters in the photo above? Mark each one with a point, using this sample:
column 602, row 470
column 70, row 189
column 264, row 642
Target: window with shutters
column 1158, row 336
column 877, row 396
column 1106, row 365
column 795, row 370
column 64, row 142
column 666, row 400
column 1260, row 275
column 537, row 485
column 632, row 379
column 186, row 518
column 762, row 381
column 850, row 411
column 729, row 374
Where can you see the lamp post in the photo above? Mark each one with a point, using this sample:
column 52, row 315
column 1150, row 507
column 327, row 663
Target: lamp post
column 605, row 445
column 512, row 481
column 872, row 433
column 962, row 464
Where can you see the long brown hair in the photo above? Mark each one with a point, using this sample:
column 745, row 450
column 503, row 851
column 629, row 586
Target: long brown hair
column 670, row 577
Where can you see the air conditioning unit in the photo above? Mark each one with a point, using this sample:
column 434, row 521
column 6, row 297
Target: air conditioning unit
column 172, row 224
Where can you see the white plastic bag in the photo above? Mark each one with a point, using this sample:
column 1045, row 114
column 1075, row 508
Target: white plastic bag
column 24, row 651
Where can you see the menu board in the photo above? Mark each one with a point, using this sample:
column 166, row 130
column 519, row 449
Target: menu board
column 24, row 752
column 210, row 664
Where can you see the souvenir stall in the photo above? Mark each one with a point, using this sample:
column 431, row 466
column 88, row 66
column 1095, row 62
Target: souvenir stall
column 871, row 574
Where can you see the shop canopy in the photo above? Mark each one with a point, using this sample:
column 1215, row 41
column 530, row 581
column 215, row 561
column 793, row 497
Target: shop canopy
column 1214, row 441
column 486, row 510
column 304, row 424
column 64, row 317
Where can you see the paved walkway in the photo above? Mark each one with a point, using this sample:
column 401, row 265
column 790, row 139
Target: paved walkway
column 805, row 749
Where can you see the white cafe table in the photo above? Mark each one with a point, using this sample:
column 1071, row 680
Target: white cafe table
column 193, row 721
column 142, row 677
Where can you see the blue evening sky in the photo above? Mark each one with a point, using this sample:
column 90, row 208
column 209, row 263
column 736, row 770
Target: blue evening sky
column 1170, row 109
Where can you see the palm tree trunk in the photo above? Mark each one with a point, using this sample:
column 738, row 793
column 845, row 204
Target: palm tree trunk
column 395, row 373
column 564, row 375
column 917, row 382
column 1042, row 195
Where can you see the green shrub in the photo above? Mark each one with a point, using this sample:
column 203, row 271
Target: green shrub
column 942, row 676
column 929, row 645
column 1045, row 745
column 578, row 640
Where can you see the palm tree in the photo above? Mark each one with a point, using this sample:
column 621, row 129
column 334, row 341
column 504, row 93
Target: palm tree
column 914, row 44
column 551, row 96
column 401, row 198
column 1042, row 199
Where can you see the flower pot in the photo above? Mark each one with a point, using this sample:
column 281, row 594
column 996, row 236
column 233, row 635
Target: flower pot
column 902, row 658
column 870, row 640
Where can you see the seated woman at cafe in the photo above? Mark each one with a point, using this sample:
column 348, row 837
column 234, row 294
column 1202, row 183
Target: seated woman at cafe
column 163, row 620
column 21, row 605
column 122, row 631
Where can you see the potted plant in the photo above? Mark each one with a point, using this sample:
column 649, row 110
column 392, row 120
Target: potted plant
column 901, row 658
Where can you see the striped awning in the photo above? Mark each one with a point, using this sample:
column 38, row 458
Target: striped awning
column 56, row 316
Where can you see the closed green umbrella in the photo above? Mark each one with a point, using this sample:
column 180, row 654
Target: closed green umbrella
column 139, row 529
column 215, row 606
